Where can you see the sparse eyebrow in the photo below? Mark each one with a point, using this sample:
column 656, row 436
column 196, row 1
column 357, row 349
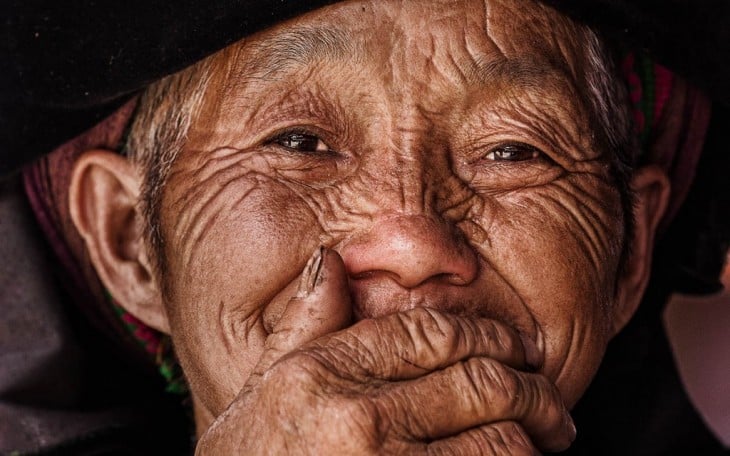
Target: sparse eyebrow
column 298, row 47
column 527, row 73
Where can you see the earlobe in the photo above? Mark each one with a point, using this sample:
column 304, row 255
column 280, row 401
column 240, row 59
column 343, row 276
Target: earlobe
column 651, row 188
column 103, row 202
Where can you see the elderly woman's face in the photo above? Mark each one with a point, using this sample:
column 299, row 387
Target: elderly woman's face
column 443, row 148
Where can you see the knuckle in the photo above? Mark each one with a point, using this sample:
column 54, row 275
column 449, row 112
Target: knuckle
column 344, row 349
column 556, row 415
column 549, row 399
column 353, row 356
column 361, row 420
column 501, row 336
column 360, row 409
column 495, row 384
column 360, row 414
column 507, row 438
column 445, row 450
column 502, row 439
column 432, row 333
column 513, row 440
column 430, row 322
column 328, row 402
column 300, row 367
column 422, row 313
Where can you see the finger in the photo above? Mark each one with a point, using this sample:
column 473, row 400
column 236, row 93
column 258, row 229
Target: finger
column 506, row 438
column 321, row 306
column 474, row 393
column 411, row 344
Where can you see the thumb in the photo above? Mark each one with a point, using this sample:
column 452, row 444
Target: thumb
column 321, row 306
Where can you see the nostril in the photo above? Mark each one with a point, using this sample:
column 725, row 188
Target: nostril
column 453, row 279
column 414, row 278
column 377, row 275
column 365, row 275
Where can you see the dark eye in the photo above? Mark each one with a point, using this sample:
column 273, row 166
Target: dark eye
column 302, row 142
column 513, row 152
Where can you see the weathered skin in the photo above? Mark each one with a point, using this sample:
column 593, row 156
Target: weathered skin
column 473, row 233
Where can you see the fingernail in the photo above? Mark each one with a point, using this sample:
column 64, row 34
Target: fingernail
column 533, row 357
column 311, row 275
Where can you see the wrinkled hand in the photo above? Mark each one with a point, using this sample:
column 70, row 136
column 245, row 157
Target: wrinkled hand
column 419, row 381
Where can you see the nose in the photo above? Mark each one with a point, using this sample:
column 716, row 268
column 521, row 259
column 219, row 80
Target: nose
column 411, row 250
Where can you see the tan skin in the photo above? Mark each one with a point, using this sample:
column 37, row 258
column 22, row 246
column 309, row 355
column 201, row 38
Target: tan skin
column 468, row 283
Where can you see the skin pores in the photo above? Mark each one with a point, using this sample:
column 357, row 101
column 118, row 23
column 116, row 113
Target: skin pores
column 444, row 149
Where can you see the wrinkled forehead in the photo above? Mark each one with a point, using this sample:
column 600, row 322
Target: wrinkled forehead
column 477, row 36
column 428, row 56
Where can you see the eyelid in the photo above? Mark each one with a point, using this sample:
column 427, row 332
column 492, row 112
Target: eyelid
column 284, row 132
column 322, row 135
column 487, row 175
column 519, row 146
column 485, row 137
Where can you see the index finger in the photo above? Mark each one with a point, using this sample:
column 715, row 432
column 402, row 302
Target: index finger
column 411, row 344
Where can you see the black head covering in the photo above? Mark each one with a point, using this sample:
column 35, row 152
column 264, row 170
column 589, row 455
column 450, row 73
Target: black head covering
column 68, row 65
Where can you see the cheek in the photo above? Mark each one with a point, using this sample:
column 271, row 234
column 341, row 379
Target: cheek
column 238, row 252
column 559, row 249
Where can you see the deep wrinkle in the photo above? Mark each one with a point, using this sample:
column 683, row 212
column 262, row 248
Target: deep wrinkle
column 410, row 151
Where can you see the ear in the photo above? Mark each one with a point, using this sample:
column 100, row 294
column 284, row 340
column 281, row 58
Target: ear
column 651, row 188
column 103, row 200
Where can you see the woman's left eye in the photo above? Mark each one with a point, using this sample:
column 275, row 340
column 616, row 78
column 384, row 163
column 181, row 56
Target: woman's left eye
column 302, row 142
column 513, row 153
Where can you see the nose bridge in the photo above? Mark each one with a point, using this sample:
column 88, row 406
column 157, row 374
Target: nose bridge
column 413, row 165
column 409, row 242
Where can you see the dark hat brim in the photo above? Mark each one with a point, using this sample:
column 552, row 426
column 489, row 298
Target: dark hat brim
column 69, row 65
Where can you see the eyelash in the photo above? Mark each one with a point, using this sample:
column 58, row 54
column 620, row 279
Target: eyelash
column 514, row 147
column 278, row 138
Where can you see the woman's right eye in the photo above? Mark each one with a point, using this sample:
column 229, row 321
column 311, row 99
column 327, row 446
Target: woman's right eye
column 306, row 143
column 516, row 152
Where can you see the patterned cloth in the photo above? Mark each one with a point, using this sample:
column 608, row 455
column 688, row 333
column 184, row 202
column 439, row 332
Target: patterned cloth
column 46, row 184
column 671, row 119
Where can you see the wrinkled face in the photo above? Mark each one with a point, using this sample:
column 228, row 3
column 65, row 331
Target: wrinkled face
column 443, row 148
